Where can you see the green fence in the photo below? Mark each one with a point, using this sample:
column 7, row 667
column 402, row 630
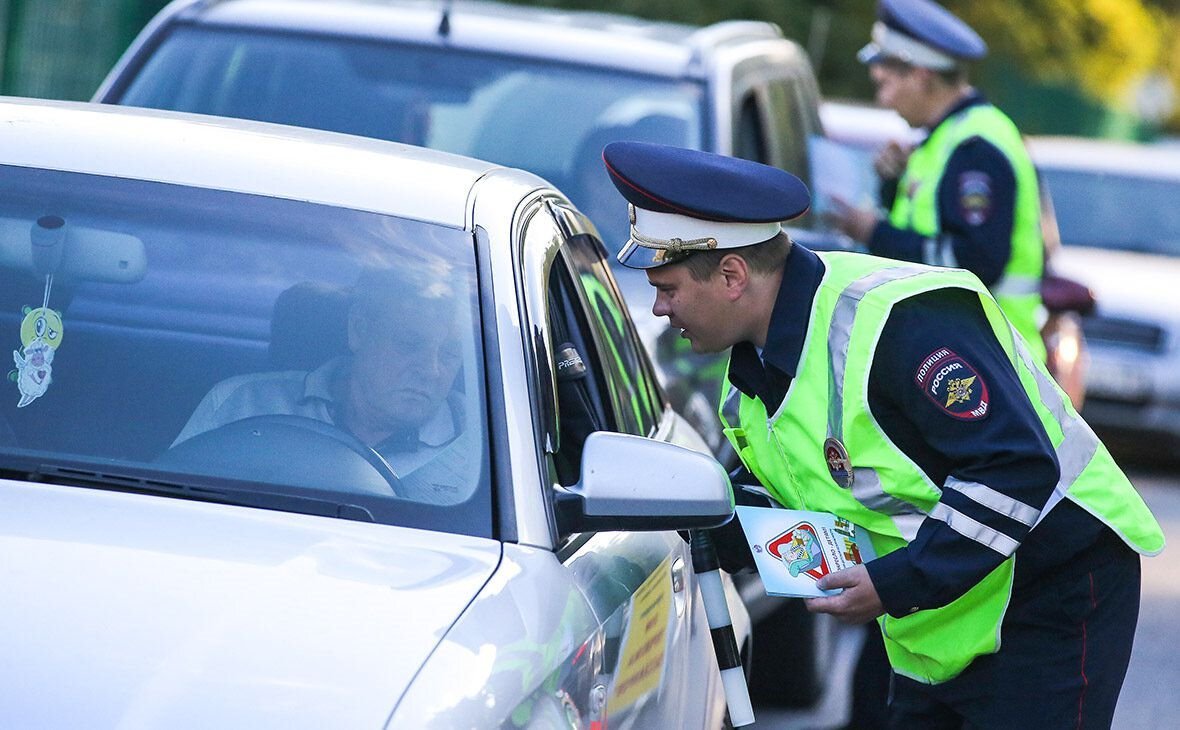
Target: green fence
column 61, row 49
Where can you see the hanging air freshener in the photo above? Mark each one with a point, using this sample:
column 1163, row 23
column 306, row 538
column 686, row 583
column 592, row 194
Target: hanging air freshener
column 40, row 333
column 41, row 330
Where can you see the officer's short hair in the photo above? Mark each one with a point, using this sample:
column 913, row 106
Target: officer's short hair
column 953, row 76
column 762, row 258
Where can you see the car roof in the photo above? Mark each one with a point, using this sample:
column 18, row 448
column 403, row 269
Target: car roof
column 242, row 156
column 1105, row 156
column 615, row 41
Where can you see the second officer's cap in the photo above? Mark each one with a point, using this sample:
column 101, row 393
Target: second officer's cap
column 682, row 200
column 921, row 33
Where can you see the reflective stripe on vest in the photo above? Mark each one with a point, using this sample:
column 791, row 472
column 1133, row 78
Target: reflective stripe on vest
column 1014, row 285
column 866, row 484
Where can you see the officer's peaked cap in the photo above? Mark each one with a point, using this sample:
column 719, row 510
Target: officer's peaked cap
column 685, row 200
column 921, row 33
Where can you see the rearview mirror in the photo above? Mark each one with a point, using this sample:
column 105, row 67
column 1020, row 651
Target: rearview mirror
column 634, row 483
column 81, row 253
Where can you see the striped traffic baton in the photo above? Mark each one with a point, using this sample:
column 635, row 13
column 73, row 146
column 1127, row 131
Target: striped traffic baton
column 708, row 571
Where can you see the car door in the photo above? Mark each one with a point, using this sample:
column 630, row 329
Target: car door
column 657, row 661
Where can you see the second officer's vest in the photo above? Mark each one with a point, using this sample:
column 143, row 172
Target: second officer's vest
column 888, row 495
column 915, row 208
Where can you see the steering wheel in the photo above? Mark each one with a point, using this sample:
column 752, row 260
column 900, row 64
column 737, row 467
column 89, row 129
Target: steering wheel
column 286, row 449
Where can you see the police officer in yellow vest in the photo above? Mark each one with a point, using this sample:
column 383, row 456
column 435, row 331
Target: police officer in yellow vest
column 968, row 194
column 896, row 395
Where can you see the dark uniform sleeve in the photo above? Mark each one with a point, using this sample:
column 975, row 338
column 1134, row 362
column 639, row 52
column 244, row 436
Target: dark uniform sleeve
column 945, row 393
column 976, row 209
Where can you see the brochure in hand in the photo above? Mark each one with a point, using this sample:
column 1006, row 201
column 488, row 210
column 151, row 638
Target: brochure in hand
column 840, row 172
column 795, row 548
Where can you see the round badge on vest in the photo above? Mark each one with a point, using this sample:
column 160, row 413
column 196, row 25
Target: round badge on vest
column 839, row 464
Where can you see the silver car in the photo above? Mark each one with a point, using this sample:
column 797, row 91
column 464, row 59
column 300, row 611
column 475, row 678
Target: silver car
column 178, row 555
column 540, row 89
column 1120, row 226
column 543, row 90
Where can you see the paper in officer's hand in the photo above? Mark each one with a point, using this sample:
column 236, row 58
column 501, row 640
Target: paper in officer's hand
column 795, row 548
column 840, row 172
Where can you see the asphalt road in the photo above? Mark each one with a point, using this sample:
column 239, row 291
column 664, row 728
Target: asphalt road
column 1151, row 692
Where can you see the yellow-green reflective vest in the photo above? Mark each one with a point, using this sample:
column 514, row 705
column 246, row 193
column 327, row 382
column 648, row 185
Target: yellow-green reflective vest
column 889, row 496
column 915, row 208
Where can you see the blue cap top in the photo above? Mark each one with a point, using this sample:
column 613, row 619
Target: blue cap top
column 942, row 39
column 685, row 200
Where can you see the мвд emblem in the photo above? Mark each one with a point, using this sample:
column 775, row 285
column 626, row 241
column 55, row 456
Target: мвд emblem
column 839, row 465
column 953, row 384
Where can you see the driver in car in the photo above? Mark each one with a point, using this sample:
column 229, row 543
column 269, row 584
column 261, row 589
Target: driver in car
column 394, row 390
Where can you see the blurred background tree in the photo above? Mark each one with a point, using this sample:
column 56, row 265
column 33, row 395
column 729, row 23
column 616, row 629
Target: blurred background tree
column 1095, row 67
column 61, row 49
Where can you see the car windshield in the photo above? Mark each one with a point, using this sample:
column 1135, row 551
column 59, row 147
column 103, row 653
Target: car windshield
column 550, row 119
column 1107, row 210
column 241, row 349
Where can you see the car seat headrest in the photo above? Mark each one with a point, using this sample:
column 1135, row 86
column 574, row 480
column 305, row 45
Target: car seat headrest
column 309, row 326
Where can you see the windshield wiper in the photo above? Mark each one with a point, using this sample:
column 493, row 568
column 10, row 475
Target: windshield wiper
column 219, row 490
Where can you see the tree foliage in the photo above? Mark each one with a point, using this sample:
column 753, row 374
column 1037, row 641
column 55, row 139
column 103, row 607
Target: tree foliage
column 1103, row 50
column 1104, row 47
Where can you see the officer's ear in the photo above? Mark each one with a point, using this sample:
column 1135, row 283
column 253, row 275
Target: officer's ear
column 734, row 271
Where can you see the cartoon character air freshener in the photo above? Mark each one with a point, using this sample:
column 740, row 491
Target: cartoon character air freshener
column 41, row 333
column 41, row 330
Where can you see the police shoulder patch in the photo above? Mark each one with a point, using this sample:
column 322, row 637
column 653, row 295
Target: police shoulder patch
column 953, row 385
column 975, row 197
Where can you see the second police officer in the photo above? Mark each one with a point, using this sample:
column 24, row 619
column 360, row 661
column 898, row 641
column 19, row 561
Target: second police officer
column 896, row 396
column 967, row 195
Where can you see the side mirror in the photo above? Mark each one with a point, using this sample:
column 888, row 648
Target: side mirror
column 634, row 483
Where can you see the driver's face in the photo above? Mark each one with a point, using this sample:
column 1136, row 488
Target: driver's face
column 404, row 364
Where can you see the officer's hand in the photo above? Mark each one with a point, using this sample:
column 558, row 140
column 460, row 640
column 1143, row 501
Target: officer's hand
column 857, row 603
column 890, row 161
column 856, row 223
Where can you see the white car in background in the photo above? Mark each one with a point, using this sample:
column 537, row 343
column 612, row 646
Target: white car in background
column 271, row 572
column 1120, row 229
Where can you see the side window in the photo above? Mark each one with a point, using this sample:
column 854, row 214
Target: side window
column 791, row 129
column 633, row 397
column 601, row 374
column 750, row 133
column 579, row 376
column 793, row 102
